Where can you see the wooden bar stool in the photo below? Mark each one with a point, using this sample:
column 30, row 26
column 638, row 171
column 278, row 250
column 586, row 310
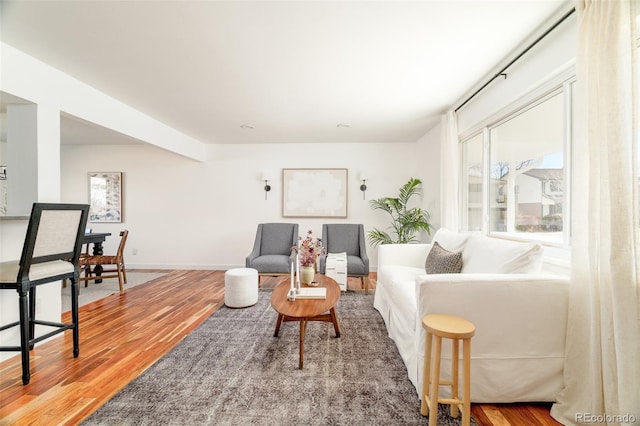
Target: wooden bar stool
column 456, row 329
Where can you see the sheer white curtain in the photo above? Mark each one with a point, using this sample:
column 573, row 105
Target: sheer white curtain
column 602, row 364
column 449, row 163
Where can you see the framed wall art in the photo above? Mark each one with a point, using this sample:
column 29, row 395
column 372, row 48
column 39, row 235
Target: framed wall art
column 105, row 196
column 314, row 193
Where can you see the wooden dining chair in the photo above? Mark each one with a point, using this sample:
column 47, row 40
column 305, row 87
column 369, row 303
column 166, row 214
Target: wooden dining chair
column 83, row 253
column 119, row 271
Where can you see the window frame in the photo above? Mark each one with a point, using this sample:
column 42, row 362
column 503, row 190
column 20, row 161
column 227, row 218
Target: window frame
column 563, row 84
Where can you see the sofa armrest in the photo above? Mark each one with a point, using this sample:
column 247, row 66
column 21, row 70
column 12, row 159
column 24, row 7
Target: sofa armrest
column 513, row 313
column 413, row 255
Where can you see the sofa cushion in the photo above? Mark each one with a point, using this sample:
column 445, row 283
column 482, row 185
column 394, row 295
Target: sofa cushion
column 448, row 240
column 483, row 254
column 441, row 261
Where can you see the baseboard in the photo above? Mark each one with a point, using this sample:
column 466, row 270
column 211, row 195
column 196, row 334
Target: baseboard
column 189, row 267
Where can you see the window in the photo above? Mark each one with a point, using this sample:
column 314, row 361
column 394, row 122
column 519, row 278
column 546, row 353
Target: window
column 517, row 188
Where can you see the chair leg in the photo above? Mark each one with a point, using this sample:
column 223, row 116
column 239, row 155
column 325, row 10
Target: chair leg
column 75, row 289
column 124, row 272
column 120, row 273
column 87, row 274
column 364, row 283
column 32, row 315
column 24, row 334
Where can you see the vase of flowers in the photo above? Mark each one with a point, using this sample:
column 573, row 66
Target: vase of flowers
column 308, row 251
column 306, row 274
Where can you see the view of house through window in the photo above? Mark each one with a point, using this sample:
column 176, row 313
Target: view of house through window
column 524, row 177
column 527, row 172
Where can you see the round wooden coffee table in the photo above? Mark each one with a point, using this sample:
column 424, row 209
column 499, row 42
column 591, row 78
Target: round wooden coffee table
column 305, row 310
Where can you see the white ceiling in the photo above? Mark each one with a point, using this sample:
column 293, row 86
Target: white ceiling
column 294, row 70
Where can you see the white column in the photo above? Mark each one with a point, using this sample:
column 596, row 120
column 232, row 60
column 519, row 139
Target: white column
column 22, row 163
column 48, row 154
column 33, row 156
column 33, row 174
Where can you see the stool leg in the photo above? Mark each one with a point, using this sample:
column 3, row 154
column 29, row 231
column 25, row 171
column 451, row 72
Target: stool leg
column 454, row 376
column 435, row 383
column 426, row 376
column 466, row 359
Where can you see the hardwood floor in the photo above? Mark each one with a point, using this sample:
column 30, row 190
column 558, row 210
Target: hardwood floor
column 122, row 335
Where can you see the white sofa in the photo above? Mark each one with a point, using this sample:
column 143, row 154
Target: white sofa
column 520, row 314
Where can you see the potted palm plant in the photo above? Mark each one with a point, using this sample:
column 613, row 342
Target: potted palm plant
column 405, row 222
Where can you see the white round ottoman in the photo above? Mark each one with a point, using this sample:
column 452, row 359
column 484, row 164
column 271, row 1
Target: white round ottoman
column 240, row 287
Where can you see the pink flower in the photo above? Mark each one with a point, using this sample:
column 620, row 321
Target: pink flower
column 309, row 249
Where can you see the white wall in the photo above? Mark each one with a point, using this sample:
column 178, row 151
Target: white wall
column 183, row 214
column 28, row 78
column 547, row 61
column 427, row 154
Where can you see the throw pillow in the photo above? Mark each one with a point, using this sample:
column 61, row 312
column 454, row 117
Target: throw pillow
column 441, row 261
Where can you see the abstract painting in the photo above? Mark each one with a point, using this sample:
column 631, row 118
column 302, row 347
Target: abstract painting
column 105, row 194
column 314, row 193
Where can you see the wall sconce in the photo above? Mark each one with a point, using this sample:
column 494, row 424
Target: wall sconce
column 267, row 187
column 363, row 187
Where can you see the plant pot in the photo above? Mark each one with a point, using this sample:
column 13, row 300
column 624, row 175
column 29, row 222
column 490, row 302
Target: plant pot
column 306, row 274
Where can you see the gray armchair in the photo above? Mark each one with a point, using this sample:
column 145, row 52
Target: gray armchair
column 347, row 238
column 271, row 254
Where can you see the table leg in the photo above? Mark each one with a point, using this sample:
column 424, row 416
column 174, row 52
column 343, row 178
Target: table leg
column 98, row 251
column 278, row 325
column 303, row 331
column 334, row 320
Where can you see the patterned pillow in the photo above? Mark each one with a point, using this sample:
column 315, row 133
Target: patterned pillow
column 441, row 261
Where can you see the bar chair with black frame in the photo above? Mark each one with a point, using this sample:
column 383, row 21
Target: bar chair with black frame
column 50, row 253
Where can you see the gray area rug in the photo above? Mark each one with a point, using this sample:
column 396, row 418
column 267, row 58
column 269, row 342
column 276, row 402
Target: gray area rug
column 106, row 288
column 232, row 371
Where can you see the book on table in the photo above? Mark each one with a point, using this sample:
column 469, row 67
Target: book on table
column 312, row 293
